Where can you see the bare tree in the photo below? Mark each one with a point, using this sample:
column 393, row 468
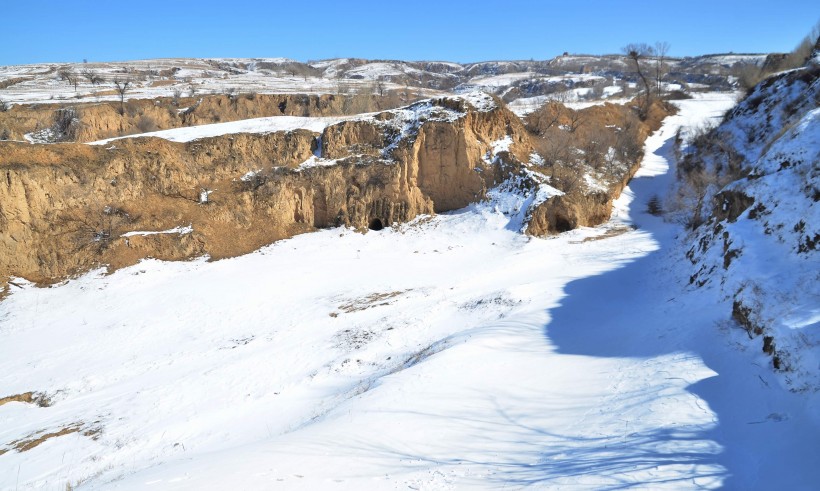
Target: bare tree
column 638, row 52
column 541, row 120
column 576, row 119
column 177, row 94
column 91, row 76
column 233, row 95
column 555, row 147
column 122, row 87
column 70, row 76
column 661, row 50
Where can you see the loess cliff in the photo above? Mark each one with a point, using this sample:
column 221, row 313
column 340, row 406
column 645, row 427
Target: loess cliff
column 66, row 208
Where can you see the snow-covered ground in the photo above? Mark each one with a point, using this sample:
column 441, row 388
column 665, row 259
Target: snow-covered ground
column 42, row 83
column 447, row 353
column 526, row 105
column 54, row 83
column 255, row 125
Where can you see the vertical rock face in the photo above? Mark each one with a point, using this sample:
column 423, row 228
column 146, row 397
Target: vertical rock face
column 66, row 208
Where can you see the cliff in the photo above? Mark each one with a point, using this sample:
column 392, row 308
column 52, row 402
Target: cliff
column 98, row 121
column 66, row 208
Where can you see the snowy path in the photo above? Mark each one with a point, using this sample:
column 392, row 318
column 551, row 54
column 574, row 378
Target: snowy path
column 448, row 353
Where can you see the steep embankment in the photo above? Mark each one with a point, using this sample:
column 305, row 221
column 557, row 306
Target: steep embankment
column 589, row 155
column 70, row 207
column 87, row 122
column 751, row 188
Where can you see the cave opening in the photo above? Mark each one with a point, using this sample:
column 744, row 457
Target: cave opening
column 562, row 225
column 375, row 224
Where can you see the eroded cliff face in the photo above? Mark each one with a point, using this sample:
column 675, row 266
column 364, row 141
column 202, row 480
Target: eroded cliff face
column 583, row 207
column 98, row 121
column 67, row 208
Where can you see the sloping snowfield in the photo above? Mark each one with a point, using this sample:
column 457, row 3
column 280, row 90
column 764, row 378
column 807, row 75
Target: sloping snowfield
column 448, row 353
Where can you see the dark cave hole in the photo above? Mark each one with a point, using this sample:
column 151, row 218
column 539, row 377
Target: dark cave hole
column 375, row 224
column 562, row 225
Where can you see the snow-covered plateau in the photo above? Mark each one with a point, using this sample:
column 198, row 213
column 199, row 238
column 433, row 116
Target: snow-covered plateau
column 451, row 352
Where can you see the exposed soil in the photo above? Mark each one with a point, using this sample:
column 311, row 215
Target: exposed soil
column 98, row 121
column 66, row 208
column 38, row 438
column 27, row 397
column 370, row 301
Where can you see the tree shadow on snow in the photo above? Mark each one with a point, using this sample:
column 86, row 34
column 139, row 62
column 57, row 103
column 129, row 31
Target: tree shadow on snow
column 632, row 312
column 513, row 448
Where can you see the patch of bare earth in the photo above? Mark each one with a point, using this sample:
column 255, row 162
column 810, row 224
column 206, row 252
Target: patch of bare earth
column 608, row 234
column 369, row 301
column 37, row 438
column 38, row 398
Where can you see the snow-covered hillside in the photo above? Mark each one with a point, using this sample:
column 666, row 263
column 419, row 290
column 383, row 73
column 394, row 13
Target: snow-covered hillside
column 447, row 353
column 761, row 244
column 65, row 83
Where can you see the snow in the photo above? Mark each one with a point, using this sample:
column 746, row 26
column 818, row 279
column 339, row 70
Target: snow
column 526, row 105
column 481, row 101
column 46, row 135
column 256, row 125
column 315, row 161
column 503, row 80
column 176, row 230
column 775, row 270
column 502, row 145
column 206, row 76
column 248, row 176
column 594, row 184
column 448, row 353
column 731, row 59
column 375, row 71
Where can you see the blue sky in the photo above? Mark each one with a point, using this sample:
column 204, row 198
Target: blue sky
column 62, row 30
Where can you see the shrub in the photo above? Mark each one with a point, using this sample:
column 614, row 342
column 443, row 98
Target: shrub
column 677, row 95
column 749, row 76
column 146, row 124
column 654, row 206
column 131, row 109
column 66, row 124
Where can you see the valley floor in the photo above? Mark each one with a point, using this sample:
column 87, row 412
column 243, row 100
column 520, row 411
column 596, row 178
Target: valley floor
column 447, row 353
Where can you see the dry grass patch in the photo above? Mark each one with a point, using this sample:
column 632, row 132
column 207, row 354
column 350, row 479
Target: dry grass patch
column 29, row 398
column 38, row 438
column 608, row 234
column 163, row 83
column 369, row 301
